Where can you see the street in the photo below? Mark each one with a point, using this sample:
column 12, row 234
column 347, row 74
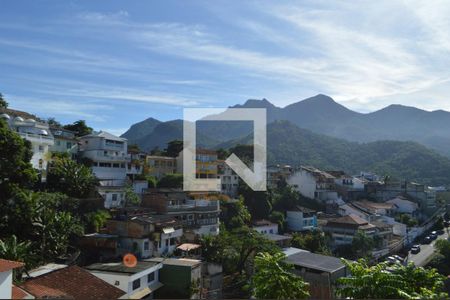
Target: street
column 423, row 257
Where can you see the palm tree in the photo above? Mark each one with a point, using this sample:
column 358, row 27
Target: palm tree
column 273, row 279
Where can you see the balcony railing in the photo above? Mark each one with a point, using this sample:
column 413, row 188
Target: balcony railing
column 37, row 138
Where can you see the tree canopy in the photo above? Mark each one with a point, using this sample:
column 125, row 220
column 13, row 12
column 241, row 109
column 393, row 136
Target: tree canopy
column 15, row 167
column 273, row 279
column 79, row 127
column 3, row 103
column 68, row 177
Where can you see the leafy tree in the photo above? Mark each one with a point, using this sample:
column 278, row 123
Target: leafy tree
column 277, row 217
column 236, row 249
column 53, row 122
column 362, row 244
column 171, row 181
column 398, row 282
column 134, row 148
column 314, row 241
column 79, row 127
column 174, row 148
column 3, row 103
column 258, row 203
column 285, row 198
column 273, row 279
column 234, row 214
column 45, row 219
column 73, row 179
column 97, row 219
column 131, row 198
column 15, row 168
column 222, row 153
column 13, row 249
column 407, row 220
column 152, row 181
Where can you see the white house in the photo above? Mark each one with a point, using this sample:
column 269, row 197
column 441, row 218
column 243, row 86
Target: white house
column 109, row 164
column 6, row 277
column 65, row 141
column 34, row 131
column 137, row 282
column 229, row 180
column 265, row 227
column 404, row 206
column 301, row 218
column 314, row 184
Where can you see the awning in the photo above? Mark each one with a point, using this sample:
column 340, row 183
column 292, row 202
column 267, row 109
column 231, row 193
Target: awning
column 146, row 291
column 168, row 230
column 188, row 247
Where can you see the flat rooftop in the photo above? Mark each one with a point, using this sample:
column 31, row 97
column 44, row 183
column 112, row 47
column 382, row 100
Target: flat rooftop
column 119, row 267
column 314, row 261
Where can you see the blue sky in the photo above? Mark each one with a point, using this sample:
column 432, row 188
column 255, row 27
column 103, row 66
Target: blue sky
column 114, row 63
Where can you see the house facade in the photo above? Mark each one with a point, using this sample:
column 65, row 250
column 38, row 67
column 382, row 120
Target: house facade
column 140, row 281
column 314, row 184
column 109, row 157
column 197, row 212
column 301, row 219
column 36, row 132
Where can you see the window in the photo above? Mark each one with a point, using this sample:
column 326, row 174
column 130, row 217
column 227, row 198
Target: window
column 69, row 145
column 41, row 162
column 137, row 284
column 146, row 246
column 114, row 197
column 58, row 143
column 151, row 277
column 41, row 148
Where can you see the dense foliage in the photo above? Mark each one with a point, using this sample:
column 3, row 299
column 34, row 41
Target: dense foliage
column 79, row 127
column 273, row 279
column 15, row 168
column 383, row 282
column 73, row 179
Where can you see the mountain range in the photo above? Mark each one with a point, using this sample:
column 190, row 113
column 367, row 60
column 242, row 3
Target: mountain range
column 400, row 140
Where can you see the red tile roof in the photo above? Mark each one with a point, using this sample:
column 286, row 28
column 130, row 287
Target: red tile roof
column 18, row 293
column 71, row 282
column 7, row 265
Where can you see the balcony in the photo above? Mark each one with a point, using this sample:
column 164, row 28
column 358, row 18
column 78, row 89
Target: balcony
column 37, row 138
column 197, row 205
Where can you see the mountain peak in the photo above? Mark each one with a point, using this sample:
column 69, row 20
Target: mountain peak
column 256, row 103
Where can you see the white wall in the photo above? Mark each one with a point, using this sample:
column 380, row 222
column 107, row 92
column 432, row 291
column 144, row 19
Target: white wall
column 303, row 182
column 6, row 285
column 267, row 229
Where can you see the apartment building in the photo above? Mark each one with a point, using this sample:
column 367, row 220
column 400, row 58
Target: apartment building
column 109, row 157
column 229, row 180
column 277, row 174
column 314, row 184
column 159, row 166
column 65, row 141
column 206, row 163
column 198, row 212
column 421, row 194
column 35, row 131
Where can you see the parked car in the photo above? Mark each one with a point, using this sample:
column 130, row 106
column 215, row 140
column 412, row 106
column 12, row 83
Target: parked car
column 415, row 249
column 398, row 257
column 427, row 240
column 433, row 235
column 393, row 260
column 440, row 231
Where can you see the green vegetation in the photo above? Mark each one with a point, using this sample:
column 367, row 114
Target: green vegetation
column 73, row 179
column 174, row 181
column 441, row 260
column 79, row 127
column 235, row 250
column 15, row 167
column 314, row 241
column 273, row 279
column 3, row 103
column 383, row 282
